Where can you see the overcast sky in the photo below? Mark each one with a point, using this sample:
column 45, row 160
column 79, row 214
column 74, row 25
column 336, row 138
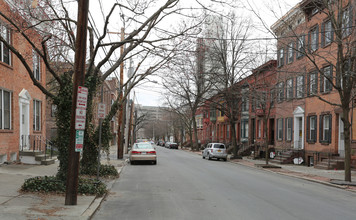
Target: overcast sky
column 149, row 94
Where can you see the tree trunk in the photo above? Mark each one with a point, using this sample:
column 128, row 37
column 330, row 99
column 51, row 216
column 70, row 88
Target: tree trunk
column 347, row 161
column 265, row 138
column 195, row 142
column 234, row 140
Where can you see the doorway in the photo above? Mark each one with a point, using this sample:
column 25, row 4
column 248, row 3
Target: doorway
column 341, row 149
column 24, row 107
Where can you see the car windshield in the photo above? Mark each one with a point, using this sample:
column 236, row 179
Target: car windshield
column 142, row 146
column 219, row 146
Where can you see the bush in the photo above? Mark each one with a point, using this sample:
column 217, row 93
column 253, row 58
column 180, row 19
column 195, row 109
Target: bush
column 46, row 184
column 105, row 171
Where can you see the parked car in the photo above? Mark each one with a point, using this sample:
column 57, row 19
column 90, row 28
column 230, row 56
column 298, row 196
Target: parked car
column 143, row 151
column 173, row 145
column 166, row 145
column 215, row 150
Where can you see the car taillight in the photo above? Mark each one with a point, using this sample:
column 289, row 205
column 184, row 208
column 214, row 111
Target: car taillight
column 151, row 152
column 211, row 150
column 136, row 152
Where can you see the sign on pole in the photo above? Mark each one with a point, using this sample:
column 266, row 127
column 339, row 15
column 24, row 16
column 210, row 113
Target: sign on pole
column 82, row 97
column 79, row 140
column 101, row 110
column 80, row 119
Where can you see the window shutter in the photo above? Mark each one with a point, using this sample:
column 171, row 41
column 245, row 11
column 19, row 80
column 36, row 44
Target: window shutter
column 329, row 85
column 316, row 84
column 309, row 42
column 350, row 18
column 315, row 126
column 317, row 37
column 291, row 130
column 322, row 82
column 293, row 51
column 332, row 33
column 323, row 35
column 308, row 85
column 320, row 128
column 303, row 87
column 308, row 129
column 286, row 128
column 330, row 129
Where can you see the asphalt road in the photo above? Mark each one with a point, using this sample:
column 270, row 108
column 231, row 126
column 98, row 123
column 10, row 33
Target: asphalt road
column 184, row 186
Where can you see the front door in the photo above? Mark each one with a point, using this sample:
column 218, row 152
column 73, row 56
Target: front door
column 24, row 106
column 341, row 149
column 298, row 128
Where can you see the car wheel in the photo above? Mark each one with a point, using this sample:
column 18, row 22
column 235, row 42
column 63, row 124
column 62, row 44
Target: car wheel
column 203, row 157
column 154, row 162
column 225, row 159
column 209, row 158
column 132, row 162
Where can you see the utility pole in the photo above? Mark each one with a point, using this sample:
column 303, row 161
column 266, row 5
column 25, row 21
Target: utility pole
column 79, row 76
column 120, row 149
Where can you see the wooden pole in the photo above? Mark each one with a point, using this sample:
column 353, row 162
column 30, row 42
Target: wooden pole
column 120, row 149
column 79, row 77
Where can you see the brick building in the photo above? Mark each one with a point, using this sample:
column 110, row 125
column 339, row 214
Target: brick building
column 22, row 105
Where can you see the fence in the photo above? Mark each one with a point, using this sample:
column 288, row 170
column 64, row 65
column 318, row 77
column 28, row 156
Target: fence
column 36, row 143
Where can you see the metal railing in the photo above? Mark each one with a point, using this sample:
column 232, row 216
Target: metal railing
column 37, row 143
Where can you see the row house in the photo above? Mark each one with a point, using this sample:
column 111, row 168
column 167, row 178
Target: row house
column 255, row 119
column 22, row 104
column 306, row 120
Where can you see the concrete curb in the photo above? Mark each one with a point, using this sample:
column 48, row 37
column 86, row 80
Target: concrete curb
column 94, row 206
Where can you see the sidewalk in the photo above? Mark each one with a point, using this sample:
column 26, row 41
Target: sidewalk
column 333, row 178
column 18, row 205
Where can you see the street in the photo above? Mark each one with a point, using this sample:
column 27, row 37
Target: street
column 184, row 186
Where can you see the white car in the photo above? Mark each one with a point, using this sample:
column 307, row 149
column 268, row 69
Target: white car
column 215, row 150
column 143, row 151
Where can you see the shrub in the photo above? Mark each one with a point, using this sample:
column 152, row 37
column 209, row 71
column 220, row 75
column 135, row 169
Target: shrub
column 105, row 171
column 46, row 184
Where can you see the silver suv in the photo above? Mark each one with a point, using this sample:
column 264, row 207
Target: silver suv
column 215, row 150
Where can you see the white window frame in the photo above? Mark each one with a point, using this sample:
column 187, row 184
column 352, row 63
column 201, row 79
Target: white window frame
column 244, row 129
column 312, row 127
column 313, row 83
column 2, row 110
column 37, row 111
column 300, row 86
column 346, row 29
column 289, row 129
column 301, row 45
column 289, row 91
column 280, row 129
column 326, row 127
column 327, row 33
column 281, row 57
column 36, row 65
column 259, row 128
column 6, row 34
column 314, row 39
column 290, row 52
column 325, row 80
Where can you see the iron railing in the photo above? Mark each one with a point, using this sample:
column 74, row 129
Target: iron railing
column 37, row 143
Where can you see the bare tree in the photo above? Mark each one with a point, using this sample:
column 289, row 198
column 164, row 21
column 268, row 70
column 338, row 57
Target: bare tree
column 227, row 62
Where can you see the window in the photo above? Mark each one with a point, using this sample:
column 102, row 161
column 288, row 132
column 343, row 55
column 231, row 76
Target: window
column 280, row 57
column 53, row 110
column 272, row 97
column 325, row 129
column 259, row 128
column 36, row 65
column 245, row 104
column 346, row 21
column 36, row 115
column 280, row 129
column 313, row 83
column 327, row 33
column 314, row 39
column 5, row 55
column 280, row 94
column 300, row 46
column 311, row 128
column 300, row 87
column 244, row 128
column 290, row 52
column 289, row 125
column 5, row 109
column 325, row 81
column 289, row 92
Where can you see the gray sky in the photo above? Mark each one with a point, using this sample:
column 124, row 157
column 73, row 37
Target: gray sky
column 149, row 94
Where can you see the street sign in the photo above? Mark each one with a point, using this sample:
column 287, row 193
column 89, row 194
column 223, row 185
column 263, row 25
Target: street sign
column 79, row 140
column 82, row 97
column 101, row 110
column 80, row 119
